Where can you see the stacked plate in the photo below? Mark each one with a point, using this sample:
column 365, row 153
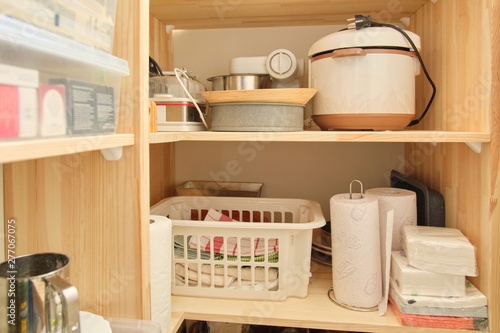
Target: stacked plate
column 321, row 248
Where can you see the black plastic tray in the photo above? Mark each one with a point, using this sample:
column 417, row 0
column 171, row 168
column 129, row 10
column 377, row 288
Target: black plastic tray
column 430, row 204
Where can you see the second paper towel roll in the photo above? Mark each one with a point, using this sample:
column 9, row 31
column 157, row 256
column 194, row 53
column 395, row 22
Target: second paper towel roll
column 404, row 204
column 160, row 230
column 356, row 263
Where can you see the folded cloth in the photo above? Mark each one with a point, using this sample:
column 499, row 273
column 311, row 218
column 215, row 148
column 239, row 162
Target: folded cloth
column 179, row 249
column 246, row 272
column 245, row 246
column 205, row 279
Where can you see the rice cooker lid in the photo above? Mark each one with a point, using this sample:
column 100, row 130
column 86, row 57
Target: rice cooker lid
column 370, row 37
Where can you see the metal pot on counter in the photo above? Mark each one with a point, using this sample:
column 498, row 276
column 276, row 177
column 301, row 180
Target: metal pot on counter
column 240, row 82
column 35, row 295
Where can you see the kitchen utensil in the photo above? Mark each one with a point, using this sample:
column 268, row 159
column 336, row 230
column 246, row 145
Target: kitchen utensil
column 35, row 295
column 177, row 114
column 430, row 204
column 321, row 240
column 298, row 96
column 365, row 79
column 322, row 258
column 259, row 117
column 281, row 64
column 240, row 82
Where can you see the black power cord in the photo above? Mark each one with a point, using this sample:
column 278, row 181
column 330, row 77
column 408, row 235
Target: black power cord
column 361, row 21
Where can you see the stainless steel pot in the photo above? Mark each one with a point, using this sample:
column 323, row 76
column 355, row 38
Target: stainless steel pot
column 240, row 82
column 35, row 295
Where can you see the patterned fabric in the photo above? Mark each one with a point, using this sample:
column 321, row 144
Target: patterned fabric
column 232, row 245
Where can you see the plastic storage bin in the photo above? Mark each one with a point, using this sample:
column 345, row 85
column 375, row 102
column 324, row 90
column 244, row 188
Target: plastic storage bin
column 63, row 64
column 90, row 22
column 259, row 249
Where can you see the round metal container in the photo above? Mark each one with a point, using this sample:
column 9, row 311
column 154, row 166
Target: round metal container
column 240, row 82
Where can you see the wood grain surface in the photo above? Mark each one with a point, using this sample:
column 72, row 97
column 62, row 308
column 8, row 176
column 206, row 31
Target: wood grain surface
column 298, row 96
column 93, row 210
column 208, row 14
column 460, row 43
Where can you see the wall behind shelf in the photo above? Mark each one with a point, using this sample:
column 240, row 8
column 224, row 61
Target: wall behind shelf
column 208, row 52
column 314, row 171
column 303, row 170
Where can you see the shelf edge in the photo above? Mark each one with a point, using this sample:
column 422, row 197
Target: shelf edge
column 325, row 136
column 19, row 150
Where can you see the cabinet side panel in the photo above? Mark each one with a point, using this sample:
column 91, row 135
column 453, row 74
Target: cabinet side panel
column 93, row 210
column 160, row 43
column 161, row 167
column 494, row 200
column 461, row 38
column 131, row 176
column 456, row 48
column 83, row 206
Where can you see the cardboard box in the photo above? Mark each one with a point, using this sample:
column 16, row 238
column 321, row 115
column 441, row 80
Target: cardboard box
column 52, row 110
column 89, row 107
column 28, row 112
column 19, row 101
column 9, row 117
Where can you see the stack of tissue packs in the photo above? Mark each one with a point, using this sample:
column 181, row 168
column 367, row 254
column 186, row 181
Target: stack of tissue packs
column 439, row 250
column 428, row 280
column 413, row 281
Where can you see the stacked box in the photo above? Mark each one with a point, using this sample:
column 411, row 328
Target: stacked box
column 428, row 280
column 18, row 102
column 89, row 107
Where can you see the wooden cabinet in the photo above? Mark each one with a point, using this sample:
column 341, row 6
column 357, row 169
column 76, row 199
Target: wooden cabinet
column 97, row 211
column 66, row 197
column 455, row 150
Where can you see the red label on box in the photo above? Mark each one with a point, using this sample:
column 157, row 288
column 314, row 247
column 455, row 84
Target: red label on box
column 9, row 116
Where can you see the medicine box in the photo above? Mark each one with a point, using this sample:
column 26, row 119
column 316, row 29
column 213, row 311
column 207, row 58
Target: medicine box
column 89, row 107
column 18, row 101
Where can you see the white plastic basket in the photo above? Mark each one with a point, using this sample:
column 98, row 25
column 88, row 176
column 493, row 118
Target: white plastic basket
column 264, row 255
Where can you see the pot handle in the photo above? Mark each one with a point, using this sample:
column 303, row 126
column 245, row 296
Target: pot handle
column 70, row 306
column 355, row 51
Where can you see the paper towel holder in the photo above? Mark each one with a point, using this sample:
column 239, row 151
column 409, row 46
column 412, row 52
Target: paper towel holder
column 331, row 296
column 361, row 188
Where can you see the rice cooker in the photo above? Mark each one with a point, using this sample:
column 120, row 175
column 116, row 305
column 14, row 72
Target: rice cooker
column 365, row 79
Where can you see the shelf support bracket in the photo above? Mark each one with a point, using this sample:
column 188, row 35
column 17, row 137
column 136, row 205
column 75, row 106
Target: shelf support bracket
column 112, row 154
column 475, row 146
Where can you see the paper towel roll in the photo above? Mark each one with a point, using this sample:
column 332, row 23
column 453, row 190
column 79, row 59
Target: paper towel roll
column 404, row 204
column 160, row 231
column 356, row 262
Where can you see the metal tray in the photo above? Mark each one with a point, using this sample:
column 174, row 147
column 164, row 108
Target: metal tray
column 221, row 189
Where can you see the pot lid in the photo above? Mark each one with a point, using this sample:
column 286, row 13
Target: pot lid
column 382, row 37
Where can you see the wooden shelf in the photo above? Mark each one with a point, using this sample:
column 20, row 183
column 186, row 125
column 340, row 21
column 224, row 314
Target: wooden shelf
column 314, row 311
column 206, row 14
column 325, row 136
column 18, row 150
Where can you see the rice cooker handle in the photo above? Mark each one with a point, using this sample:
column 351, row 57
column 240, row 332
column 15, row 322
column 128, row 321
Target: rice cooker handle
column 355, row 51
